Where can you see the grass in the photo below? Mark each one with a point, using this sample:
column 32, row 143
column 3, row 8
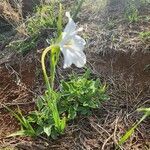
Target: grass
column 44, row 18
column 131, row 12
column 131, row 131
column 144, row 35
column 41, row 26
column 111, row 24
column 13, row 15
column 112, row 120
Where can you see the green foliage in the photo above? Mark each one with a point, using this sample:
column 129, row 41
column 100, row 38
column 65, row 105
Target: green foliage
column 145, row 35
column 44, row 18
column 26, row 128
column 24, row 46
column 80, row 95
column 131, row 11
column 77, row 96
column 79, row 5
column 46, row 118
column 110, row 24
column 127, row 135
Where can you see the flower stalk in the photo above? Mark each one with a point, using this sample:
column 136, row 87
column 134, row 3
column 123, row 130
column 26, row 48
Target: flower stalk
column 71, row 45
column 51, row 97
column 44, row 69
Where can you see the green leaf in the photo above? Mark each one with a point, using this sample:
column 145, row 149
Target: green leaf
column 45, row 112
column 127, row 135
column 39, row 130
column 22, row 133
column 131, row 131
column 145, row 110
column 102, row 89
column 72, row 113
column 40, row 103
column 54, row 133
column 84, row 110
column 86, row 75
column 63, row 124
column 64, row 86
column 47, row 130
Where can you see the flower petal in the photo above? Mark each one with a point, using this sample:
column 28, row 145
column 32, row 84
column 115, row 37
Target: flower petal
column 78, row 43
column 71, row 25
column 79, row 59
column 72, row 45
column 67, row 58
column 72, row 56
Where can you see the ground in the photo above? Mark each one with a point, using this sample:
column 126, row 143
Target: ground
column 117, row 55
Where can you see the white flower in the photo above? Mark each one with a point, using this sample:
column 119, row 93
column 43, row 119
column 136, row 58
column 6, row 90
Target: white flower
column 72, row 45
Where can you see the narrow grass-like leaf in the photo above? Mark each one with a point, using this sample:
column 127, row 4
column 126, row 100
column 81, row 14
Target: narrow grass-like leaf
column 59, row 21
column 23, row 121
column 77, row 9
column 22, row 133
column 20, row 119
column 127, row 135
column 131, row 131
column 63, row 124
column 145, row 110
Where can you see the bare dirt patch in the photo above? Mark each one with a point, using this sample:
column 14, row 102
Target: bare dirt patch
column 16, row 89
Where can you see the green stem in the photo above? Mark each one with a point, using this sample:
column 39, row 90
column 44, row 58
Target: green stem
column 44, row 69
column 53, row 60
column 54, row 57
column 55, row 52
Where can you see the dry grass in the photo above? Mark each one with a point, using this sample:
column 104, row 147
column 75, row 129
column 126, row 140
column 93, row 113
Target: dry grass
column 12, row 13
column 128, row 89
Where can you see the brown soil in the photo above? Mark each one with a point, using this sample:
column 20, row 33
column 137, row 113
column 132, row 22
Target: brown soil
column 128, row 78
column 123, row 64
column 129, row 66
column 16, row 89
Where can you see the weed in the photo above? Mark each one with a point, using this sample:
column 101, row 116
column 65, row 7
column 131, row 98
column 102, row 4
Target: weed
column 13, row 15
column 127, row 135
column 111, row 24
column 36, row 28
column 26, row 128
column 43, row 24
column 131, row 12
column 25, row 45
column 44, row 18
column 144, row 35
